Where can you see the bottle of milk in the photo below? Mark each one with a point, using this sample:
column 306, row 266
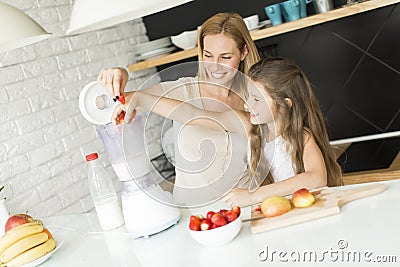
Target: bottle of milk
column 104, row 197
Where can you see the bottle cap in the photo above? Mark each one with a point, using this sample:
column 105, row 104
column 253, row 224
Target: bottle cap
column 92, row 156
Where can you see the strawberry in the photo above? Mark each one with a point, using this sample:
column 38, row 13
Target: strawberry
column 258, row 208
column 121, row 118
column 195, row 226
column 121, row 99
column 214, row 226
column 236, row 209
column 218, row 219
column 222, row 211
column 196, row 218
column 194, row 223
column 205, row 225
column 209, row 215
column 200, row 217
column 230, row 216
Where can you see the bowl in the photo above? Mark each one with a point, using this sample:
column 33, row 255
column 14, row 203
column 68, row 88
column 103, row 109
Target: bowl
column 186, row 40
column 252, row 22
column 218, row 236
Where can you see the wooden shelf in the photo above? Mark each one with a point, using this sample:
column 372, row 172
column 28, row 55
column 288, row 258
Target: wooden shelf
column 275, row 30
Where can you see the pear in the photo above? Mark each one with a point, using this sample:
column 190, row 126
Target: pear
column 275, row 205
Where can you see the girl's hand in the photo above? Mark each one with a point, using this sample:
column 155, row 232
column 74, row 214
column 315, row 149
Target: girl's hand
column 127, row 112
column 239, row 197
column 114, row 80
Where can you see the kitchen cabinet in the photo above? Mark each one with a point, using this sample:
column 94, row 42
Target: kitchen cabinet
column 273, row 31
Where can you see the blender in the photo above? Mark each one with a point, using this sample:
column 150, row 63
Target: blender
column 146, row 206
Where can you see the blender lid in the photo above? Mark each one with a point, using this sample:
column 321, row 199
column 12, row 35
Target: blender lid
column 96, row 104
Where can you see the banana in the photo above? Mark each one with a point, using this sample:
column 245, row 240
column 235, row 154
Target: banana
column 23, row 245
column 32, row 254
column 18, row 233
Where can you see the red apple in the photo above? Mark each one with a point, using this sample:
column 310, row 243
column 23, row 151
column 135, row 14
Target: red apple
column 17, row 219
column 275, row 205
column 302, row 198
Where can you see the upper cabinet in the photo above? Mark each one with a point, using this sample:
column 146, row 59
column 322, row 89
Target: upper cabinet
column 274, row 30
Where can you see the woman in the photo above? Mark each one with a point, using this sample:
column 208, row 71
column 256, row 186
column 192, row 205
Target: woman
column 224, row 46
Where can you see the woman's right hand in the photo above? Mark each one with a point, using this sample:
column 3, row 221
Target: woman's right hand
column 114, row 80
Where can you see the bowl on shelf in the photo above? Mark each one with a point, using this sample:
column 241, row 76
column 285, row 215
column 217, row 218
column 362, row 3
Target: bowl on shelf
column 218, row 236
column 252, row 22
column 185, row 40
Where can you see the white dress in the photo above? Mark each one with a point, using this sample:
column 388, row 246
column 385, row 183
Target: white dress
column 206, row 168
column 279, row 160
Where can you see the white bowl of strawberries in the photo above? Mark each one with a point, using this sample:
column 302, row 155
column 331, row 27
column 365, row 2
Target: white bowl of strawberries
column 216, row 228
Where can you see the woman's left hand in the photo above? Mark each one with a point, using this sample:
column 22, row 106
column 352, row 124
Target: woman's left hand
column 125, row 113
column 239, row 197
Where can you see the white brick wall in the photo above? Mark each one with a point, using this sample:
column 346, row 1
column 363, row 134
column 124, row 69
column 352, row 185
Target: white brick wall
column 43, row 136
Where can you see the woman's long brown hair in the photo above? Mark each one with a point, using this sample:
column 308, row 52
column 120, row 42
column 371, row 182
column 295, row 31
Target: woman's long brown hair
column 283, row 79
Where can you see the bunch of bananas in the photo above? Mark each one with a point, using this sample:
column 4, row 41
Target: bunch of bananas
column 25, row 243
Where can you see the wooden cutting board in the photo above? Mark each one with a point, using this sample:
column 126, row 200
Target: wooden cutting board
column 327, row 202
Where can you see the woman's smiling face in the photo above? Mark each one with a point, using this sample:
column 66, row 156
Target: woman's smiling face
column 259, row 104
column 224, row 57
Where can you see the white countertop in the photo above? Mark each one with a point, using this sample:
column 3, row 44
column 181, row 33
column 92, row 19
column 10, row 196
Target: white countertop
column 369, row 228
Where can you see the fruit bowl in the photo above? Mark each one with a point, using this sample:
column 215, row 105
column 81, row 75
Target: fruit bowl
column 218, row 236
column 186, row 40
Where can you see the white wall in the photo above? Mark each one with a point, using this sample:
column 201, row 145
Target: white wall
column 43, row 137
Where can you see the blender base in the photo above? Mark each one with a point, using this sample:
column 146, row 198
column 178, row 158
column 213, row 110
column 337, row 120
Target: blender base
column 146, row 233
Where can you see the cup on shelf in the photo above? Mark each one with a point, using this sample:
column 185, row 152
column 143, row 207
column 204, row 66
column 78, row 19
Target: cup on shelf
column 291, row 10
column 322, row 6
column 274, row 14
column 303, row 7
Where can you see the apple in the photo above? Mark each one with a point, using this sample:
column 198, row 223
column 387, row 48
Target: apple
column 302, row 198
column 17, row 219
column 275, row 205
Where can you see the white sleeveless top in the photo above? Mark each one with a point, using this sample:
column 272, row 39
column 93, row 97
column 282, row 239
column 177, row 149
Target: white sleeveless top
column 208, row 163
column 279, row 160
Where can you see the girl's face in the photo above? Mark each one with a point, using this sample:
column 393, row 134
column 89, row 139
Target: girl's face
column 259, row 104
column 224, row 58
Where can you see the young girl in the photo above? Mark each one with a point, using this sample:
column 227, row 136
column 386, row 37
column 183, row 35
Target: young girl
column 289, row 145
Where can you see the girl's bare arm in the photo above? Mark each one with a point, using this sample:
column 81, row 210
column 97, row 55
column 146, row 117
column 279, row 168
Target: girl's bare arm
column 230, row 120
column 314, row 176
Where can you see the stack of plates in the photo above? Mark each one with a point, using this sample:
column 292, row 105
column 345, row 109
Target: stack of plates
column 152, row 49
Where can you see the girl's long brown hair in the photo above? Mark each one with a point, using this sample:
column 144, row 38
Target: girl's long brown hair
column 283, row 79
